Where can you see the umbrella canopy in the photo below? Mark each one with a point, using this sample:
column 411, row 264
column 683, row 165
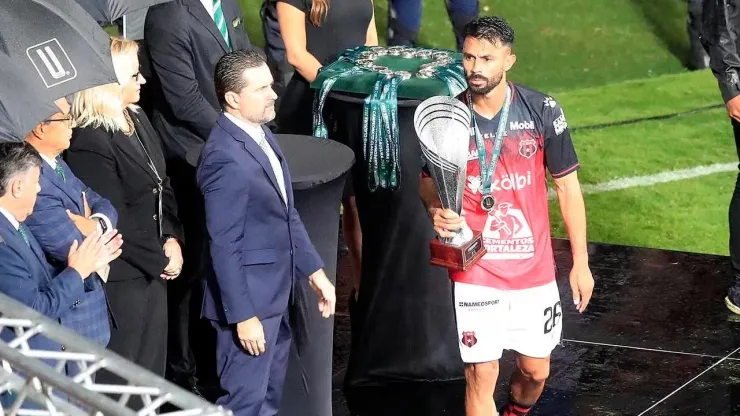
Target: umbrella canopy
column 106, row 11
column 23, row 105
column 56, row 44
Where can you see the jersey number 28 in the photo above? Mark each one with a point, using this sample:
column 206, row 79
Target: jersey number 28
column 552, row 314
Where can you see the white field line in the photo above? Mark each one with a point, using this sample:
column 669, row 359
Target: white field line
column 648, row 180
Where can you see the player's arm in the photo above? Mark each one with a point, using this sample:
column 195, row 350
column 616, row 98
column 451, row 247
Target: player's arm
column 573, row 210
column 562, row 162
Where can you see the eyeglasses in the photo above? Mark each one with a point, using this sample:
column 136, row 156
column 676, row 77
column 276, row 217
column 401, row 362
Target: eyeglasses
column 136, row 75
column 69, row 119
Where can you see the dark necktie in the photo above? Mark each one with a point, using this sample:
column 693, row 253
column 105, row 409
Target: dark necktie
column 60, row 172
column 24, row 234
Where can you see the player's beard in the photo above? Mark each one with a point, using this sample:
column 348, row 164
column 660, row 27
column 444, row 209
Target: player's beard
column 488, row 87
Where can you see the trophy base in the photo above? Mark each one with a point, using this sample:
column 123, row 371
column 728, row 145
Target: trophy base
column 457, row 258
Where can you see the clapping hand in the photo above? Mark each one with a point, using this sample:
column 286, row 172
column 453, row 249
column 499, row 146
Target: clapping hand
column 95, row 252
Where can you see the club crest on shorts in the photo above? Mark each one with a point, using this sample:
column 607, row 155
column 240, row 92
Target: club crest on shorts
column 528, row 147
column 469, row 339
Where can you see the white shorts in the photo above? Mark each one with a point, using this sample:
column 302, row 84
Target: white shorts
column 490, row 320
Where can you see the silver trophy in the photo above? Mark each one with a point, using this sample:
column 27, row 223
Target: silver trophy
column 443, row 126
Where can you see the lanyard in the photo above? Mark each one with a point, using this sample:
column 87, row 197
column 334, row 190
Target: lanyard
column 487, row 171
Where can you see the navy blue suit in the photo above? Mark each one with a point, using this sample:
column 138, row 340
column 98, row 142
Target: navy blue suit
column 55, row 232
column 30, row 279
column 258, row 246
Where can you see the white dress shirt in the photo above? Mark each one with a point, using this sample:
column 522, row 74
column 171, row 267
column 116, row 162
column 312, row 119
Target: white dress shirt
column 208, row 4
column 53, row 164
column 10, row 218
column 258, row 135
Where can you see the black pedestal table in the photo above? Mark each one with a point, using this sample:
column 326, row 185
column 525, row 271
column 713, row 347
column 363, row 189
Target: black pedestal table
column 318, row 169
column 403, row 324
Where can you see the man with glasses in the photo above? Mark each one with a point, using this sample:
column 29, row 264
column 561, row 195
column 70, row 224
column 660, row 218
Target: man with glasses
column 66, row 210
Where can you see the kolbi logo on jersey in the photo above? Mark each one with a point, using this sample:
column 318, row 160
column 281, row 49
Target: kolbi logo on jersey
column 507, row 182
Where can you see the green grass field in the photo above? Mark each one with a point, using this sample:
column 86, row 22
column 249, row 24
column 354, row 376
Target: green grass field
column 565, row 44
column 688, row 215
column 607, row 61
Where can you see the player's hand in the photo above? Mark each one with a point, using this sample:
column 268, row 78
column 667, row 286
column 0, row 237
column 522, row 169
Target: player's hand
column 251, row 335
column 582, row 285
column 733, row 108
column 446, row 222
column 325, row 292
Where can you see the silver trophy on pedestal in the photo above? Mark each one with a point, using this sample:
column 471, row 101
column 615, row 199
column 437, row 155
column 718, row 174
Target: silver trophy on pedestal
column 443, row 126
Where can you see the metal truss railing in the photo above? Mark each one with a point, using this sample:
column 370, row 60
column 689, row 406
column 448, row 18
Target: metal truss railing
column 30, row 381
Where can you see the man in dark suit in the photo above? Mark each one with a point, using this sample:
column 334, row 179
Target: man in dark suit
column 185, row 39
column 66, row 211
column 258, row 242
column 26, row 275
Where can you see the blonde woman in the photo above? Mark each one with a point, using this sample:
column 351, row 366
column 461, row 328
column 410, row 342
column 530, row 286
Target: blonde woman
column 117, row 153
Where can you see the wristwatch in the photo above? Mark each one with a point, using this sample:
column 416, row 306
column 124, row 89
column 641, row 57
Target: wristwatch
column 103, row 226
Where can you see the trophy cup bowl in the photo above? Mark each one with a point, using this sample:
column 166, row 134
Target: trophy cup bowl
column 443, row 126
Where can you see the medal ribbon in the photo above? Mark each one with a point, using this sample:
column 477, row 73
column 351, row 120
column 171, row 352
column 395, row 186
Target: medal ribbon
column 487, row 171
column 319, row 127
column 381, row 141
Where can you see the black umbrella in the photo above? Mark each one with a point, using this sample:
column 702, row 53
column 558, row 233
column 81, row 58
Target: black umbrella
column 106, row 11
column 56, row 44
column 23, row 105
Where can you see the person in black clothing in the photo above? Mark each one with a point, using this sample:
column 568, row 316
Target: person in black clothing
column 116, row 152
column 281, row 70
column 315, row 32
column 720, row 23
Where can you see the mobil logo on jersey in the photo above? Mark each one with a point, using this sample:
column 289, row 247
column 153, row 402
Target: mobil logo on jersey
column 521, row 125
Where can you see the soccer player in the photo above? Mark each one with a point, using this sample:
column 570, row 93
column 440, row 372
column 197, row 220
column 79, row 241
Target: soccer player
column 509, row 299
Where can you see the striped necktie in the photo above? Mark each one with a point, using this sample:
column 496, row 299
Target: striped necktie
column 24, row 234
column 218, row 17
column 60, row 172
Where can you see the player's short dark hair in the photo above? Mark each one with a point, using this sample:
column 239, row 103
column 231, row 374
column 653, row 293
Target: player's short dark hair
column 229, row 75
column 15, row 159
column 494, row 29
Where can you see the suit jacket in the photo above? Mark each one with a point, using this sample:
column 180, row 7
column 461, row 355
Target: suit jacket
column 49, row 222
column 719, row 36
column 54, row 230
column 113, row 165
column 184, row 45
column 258, row 244
column 30, row 279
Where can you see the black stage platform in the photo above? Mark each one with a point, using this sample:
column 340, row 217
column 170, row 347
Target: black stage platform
column 655, row 340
